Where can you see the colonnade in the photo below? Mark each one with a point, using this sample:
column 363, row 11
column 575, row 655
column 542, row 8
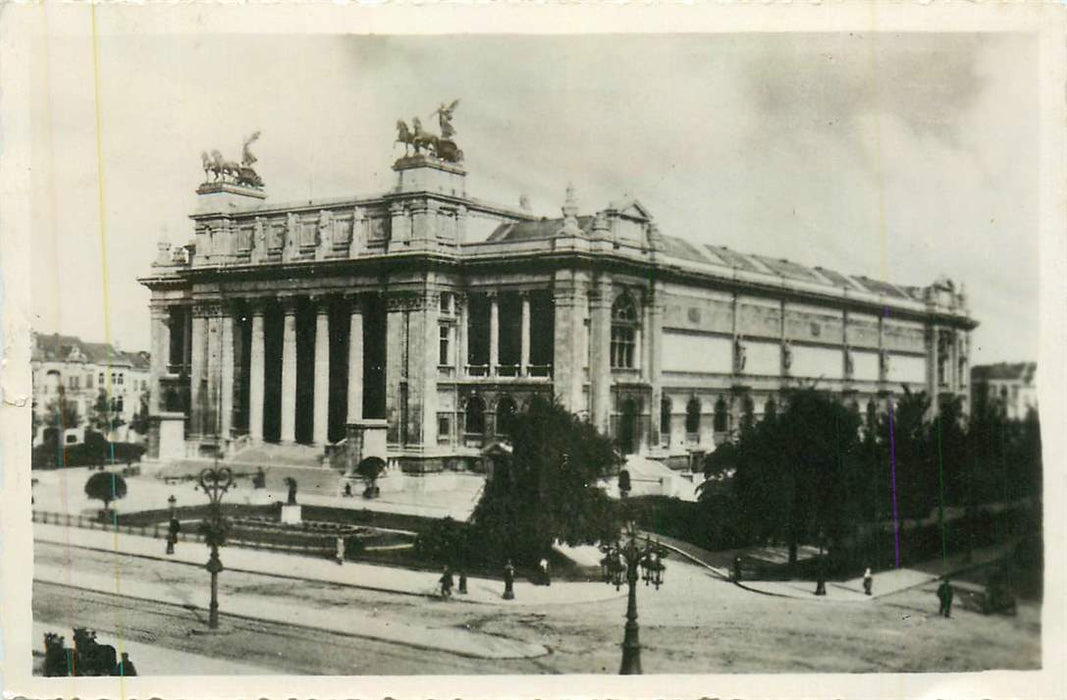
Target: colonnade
column 212, row 367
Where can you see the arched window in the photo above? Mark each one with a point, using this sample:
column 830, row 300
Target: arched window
column 721, row 418
column 623, row 332
column 692, row 416
column 475, row 420
column 665, row 410
column 505, row 415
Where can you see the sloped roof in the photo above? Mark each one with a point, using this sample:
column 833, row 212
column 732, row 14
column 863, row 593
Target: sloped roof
column 682, row 249
column 56, row 347
column 534, row 230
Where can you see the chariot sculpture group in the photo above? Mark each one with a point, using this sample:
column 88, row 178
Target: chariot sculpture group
column 417, row 139
column 218, row 169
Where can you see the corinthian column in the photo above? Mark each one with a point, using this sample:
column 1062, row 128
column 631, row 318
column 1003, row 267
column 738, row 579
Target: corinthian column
column 355, row 363
column 226, row 333
column 524, row 355
column 257, row 371
column 494, row 333
column 288, row 435
column 322, row 374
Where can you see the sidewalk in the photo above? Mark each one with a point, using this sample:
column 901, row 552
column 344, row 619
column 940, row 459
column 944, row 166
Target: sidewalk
column 884, row 582
column 368, row 576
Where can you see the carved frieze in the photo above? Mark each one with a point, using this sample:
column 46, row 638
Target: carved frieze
column 411, row 301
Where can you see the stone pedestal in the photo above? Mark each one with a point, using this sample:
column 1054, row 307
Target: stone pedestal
column 291, row 515
column 427, row 174
column 365, row 438
column 167, row 431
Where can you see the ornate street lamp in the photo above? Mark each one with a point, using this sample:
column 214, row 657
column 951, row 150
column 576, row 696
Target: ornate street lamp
column 630, row 559
column 215, row 481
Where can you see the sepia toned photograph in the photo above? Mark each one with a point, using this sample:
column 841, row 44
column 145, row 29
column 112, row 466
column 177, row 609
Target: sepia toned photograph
column 534, row 354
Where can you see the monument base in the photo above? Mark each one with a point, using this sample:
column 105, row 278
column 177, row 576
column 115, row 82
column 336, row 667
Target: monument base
column 291, row 515
column 168, row 436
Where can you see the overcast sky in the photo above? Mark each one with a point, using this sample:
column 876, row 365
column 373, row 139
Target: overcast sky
column 896, row 156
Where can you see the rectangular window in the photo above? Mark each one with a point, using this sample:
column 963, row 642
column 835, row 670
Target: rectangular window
column 89, row 381
column 101, row 379
column 444, row 428
column 622, row 347
column 444, row 352
column 120, row 377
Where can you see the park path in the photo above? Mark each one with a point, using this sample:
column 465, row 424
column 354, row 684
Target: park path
column 368, row 576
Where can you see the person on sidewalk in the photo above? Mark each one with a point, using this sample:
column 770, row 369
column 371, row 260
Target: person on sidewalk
column 945, row 594
column 545, row 578
column 509, row 581
column 125, row 666
column 868, row 581
column 463, row 582
column 737, row 568
column 446, row 583
column 172, row 534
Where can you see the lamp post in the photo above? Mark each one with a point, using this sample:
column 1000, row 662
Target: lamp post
column 172, row 502
column 629, row 560
column 215, row 481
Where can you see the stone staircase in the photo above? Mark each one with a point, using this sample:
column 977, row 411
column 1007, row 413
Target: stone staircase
column 301, row 462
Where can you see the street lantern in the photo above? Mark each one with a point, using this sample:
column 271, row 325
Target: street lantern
column 215, row 481
column 629, row 560
column 172, row 502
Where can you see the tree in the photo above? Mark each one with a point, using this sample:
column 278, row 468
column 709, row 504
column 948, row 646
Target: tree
column 105, row 416
column 547, row 489
column 106, row 487
column 62, row 413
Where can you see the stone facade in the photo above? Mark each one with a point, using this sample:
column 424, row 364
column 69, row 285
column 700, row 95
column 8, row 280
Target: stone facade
column 287, row 323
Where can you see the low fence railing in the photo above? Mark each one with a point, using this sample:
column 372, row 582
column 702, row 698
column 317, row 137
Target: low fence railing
column 325, row 545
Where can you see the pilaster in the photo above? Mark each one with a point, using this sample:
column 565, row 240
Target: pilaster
column 570, row 297
column 600, row 352
column 322, row 373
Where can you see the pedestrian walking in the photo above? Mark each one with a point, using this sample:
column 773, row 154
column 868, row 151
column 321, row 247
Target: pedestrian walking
column 944, row 594
column 446, row 583
column 820, row 585
column 545, row 579
column 125, row 667
column 509, row 581
column 868, row 581
column 462, row 582
column 339, row 555
column 172, row 534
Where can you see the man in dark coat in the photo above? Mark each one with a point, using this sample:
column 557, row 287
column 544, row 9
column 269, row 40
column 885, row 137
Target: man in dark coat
column 125, row 666
column 509, row 581
column 944, row 594
column 172, row 534
column 446, row 583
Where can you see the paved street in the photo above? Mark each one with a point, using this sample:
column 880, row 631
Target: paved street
column 696, row 623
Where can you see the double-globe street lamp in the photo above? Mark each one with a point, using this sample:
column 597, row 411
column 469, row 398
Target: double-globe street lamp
column 629, row 559
column 215, row 481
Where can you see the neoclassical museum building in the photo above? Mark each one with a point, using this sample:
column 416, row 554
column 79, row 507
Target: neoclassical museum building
column 430, row 319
